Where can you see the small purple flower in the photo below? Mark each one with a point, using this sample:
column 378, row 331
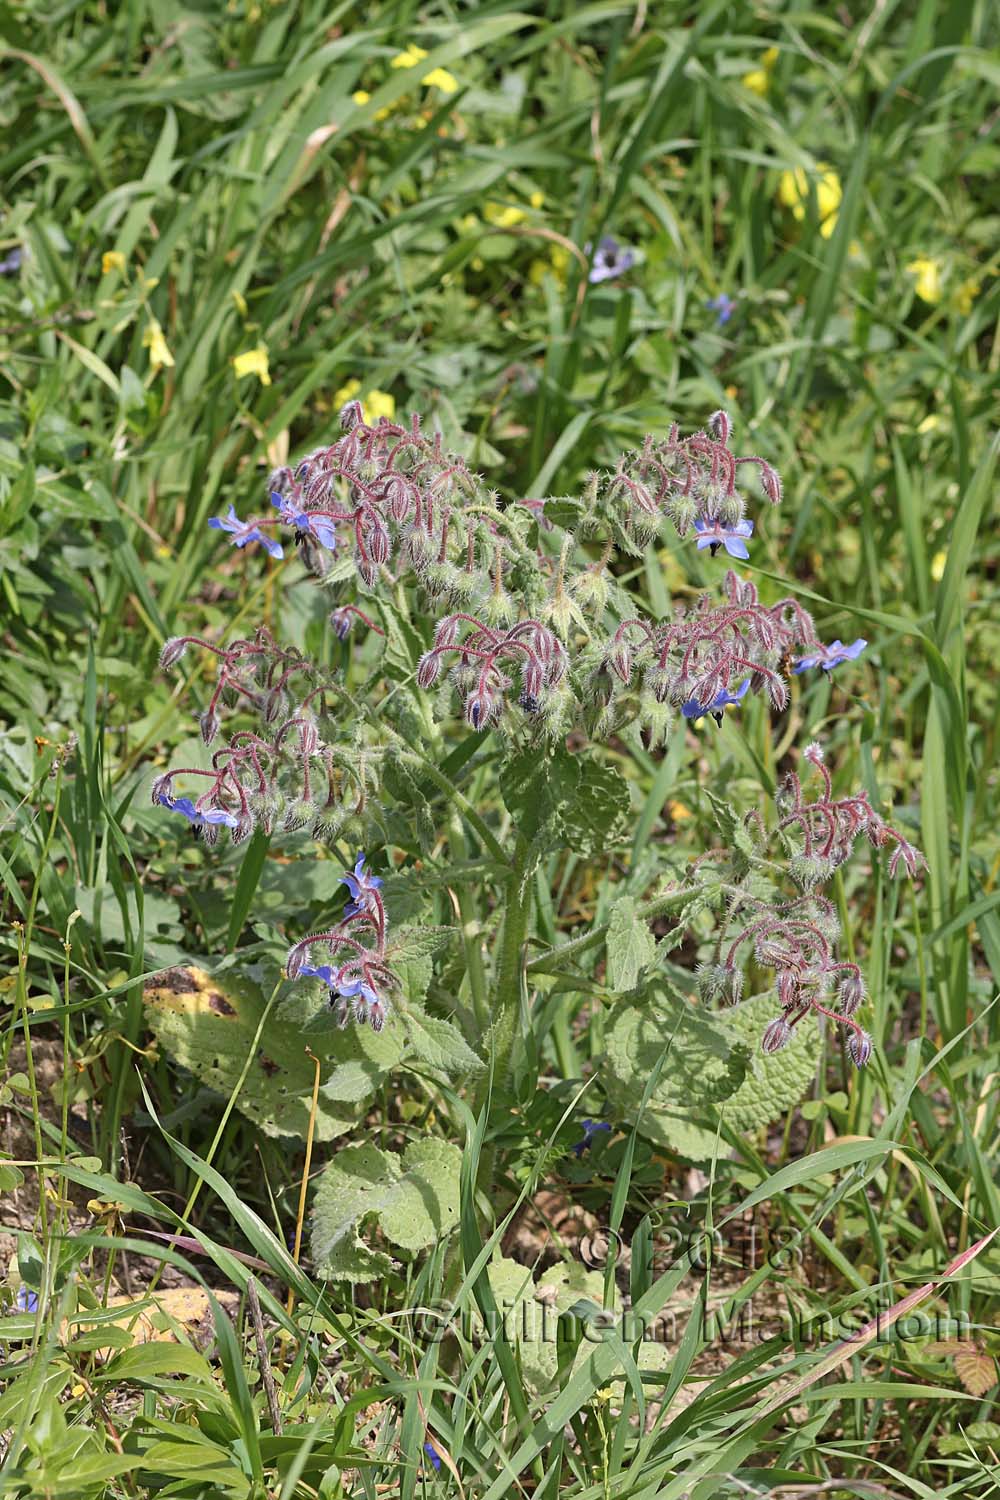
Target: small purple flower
column 26, row 1300
column 830, row 656
column 197, row 817
column 362, row 887
column 244, row 533
column 713, row 534
column 590, row 1129
column 304, row 521
column 692, row 709
column 433, row 1455
column 11, row 263
column 610, row 260
column 723, row 306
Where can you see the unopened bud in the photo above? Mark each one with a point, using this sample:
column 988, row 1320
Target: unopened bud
column 172, row 652
column 851, row 993
column 428, row 669
column 860, row 1048
column 352, row 415
column 770, row 483
column 208, row 723
column 719, row 426
column 161, row 788
column 244, row 828
column 777, row 1035
column 295, row 961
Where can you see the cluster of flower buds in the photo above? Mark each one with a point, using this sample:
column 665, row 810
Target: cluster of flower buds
column 692, row 482
column 286, row 775
column 704, row 659
column 357, row 975
column 797, row 937
column 483, row 660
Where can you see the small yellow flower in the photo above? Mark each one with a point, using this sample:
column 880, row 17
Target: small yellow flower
column 153, row 339
column 793, row 190
column 239, row 302
column 758, row 80
column 966, row 295
column 938, row 564
column 556, row 266
column 378, row 404
column 252, row 362
column 503, row 217
column 409, row 58
column 468, row 224
column 537, row 200
column 440, row 78
column 361, row 97
column 927, row 282
column 930, row 423
column 112, row 260
column 347, row 392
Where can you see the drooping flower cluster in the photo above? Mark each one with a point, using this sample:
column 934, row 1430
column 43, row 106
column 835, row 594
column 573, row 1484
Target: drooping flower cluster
column 485, row 658
column 358, row 977
column 796, row 937
column 288, row 774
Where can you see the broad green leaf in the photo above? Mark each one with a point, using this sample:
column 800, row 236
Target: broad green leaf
column 631, row 946
column 207, row 1024
column 414, row 1198
column 438, row 1043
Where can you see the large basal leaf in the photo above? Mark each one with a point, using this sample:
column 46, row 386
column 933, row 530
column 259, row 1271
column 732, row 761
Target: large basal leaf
column 208, row 1023
column 414, row 1199
column 714, row 1060
column 561, row 799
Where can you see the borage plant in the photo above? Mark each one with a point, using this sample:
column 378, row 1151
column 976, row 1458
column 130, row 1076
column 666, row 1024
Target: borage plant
column 498, row 692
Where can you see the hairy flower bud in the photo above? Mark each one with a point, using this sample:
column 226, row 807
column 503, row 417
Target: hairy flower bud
column 850, row 993
column 244, row 828
column 719, row 426
column 161, row 787
column 208, row 723
column 428, row 669
column 770, row 483
column 172, row 652
column 860, row 1048
column 777, row 1035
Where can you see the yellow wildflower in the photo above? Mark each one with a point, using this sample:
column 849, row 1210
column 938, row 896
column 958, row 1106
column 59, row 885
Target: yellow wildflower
column 758, row 80
column 239, row 302
column 112, row 260
column 375, row 403
column 503, row 217
column 927, row 282
column 966, row 295
column 537, row 200
column 378, row 404
column 409, row 58
column 252, row 362
column 440, row 78
column 347, row 392
column 793, row 190
column 938, row 563
column 154, row 340
column 556, row 266
column 930, row 423
column 361, row 97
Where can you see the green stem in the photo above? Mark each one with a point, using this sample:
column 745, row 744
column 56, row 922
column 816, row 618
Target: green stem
column 510, row 969
column 551, row 961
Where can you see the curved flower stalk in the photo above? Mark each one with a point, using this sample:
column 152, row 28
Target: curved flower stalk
column 358, row 977
column 797, row 936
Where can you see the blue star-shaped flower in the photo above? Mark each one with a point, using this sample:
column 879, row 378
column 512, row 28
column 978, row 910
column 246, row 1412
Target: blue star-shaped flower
column 723, row 306
column 713, row 534
column 692, row 709
column 362, row 887
column 26, row 1300
column 610, row 260
column 433, row 1455
column 243, row 533
column 318, row 971
column 319, row 527
column 197, row 817
column 830, row 656
column 590, row 1129
column 350, row 988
